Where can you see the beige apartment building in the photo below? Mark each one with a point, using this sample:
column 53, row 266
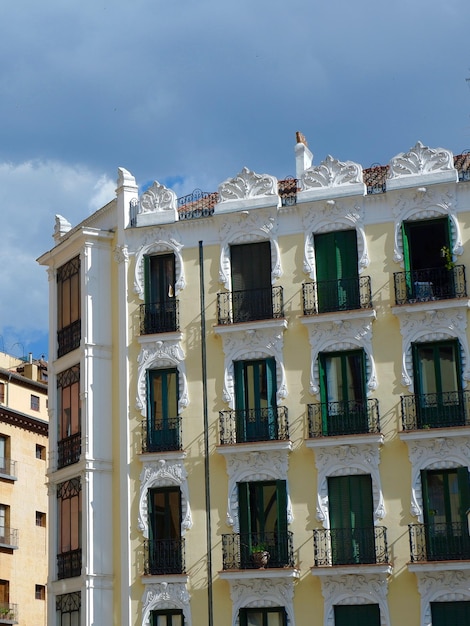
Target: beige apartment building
column 23, row 492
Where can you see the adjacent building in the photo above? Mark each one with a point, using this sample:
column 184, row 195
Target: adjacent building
column 23, row 492
column 258, row 400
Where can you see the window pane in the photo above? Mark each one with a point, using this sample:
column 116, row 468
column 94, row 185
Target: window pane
column 74, row 298
column 447, row 363
column 428, row 370
column 275, row 619
column 75, row 407
column 254, row 619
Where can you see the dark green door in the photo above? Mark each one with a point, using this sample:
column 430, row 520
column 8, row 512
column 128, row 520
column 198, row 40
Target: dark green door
column 437, row 374
column 160, row 292
column 357, row 615
column 343, row 394
column 351, row 519
column 251, row 281
column 450, row 613
column 163, row 432
column 255, row 400
column 165, row 543
column 263, row 522
column 337, row 271
column 446, row 501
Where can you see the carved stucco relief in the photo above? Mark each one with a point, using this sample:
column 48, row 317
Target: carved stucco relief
column 160, row 596
column 331, row 173
column 355, row 589
column 450, row 586
column 421, row 160
column 160, row 241
column 157, row 198
column 262, row 593
column 247, row 184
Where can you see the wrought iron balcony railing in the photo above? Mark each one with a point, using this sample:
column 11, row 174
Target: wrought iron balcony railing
column 8, row 613
column 69, row 450
column 68, row 338
column 430, row 284
column 162, row 436
column 7, row 467
column 352, row 417
column 250, row 305
column 69, row 564
column 345, row 294
column 439, row 542
column 8, row 537
column 159, row 317
column 435, row 410
column 350, row 546
column 164, row 556
column 249, row 425
column 245, row 550
column 287, row 190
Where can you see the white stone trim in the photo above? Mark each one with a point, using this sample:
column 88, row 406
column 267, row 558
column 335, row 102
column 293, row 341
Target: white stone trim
column 159, row 242
column 166, row 595
column 332, row 178
column 421, row 165
column 248, row 190
column 260, row 593
column 443, row 586
column 163, row 473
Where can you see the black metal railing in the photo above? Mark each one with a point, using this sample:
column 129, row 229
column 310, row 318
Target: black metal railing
column 250, row 305
column 68, row 338
column 435, row 410
column 430, row 284
column 69, row 564
column 69, row 450
column 351, row 417
column 257, row 550
column 197, row 204
column 245, row 425
column 8, row 536
column 159, row 317
column 345, row 294
column 162, row 436
column 287, row 190
column 350, row 546
column 7, row 467
column 439, row 542
column 164, row 556
column 8, row 613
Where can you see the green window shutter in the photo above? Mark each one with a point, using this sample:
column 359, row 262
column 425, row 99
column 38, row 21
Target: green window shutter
column 271, row 382
column 346, row 253
column 281, row 505
column 450, row 613
column 239, row 376
column 357, row 615
column 464, row 491
column 244, row 507
column 251, row 266
column 350, row 501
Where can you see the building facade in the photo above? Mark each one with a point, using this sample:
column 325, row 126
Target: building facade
column 23, row 492
column 259, row 401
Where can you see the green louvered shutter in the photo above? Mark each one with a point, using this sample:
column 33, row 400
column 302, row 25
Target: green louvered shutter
column 450, row 613
column 357, row 615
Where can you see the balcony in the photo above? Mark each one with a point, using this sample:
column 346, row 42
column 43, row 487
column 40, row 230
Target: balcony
column 250, row 305
column 159, row 317
column 8, row 613
column 345, row 294
column 435, row 410
column 257, row 550
column 69, row 564
column 439, row 542
column 69, row 450
column 287, row 190
column 430, row 284
column 352, row 417
column 249, row 425
column 165, row 436
column 8, row 538
column 7, row 468
column 68, row 338
column 350, row 546
column 164, row 556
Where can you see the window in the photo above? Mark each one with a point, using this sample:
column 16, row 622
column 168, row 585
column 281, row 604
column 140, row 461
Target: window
column 40, row 592
column 160, row 302
column 34, row 403
column 336, row 264
column 165, row 543
column 438, row 384
column 68, row 307
column 4, row 594
column 275, row 616
column 357, row 615
column 343, row 392
column 446, row 499
column 40, row 452
column 351, row 519
column 2, row 393
column 255, row 400
column 67, row 608
column 69, row 553
column 4, row 524
column 163, row 423
column 263, row 522
column 168, row 617
column 450, row 613
column 251, row 281
column 40, row 519
column 3, row 454
column 68, row 400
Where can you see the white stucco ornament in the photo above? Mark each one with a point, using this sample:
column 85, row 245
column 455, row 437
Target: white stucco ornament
column 421, row 160
column 247, row 184
column 332, row 173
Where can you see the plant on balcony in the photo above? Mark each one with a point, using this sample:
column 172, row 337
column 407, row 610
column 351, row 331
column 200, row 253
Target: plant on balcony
column 447, row 256
column 260, row 554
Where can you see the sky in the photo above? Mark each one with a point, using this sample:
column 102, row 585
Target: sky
column 188, row 92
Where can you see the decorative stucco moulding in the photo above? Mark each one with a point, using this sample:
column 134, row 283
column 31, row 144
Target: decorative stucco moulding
column 331, row 179
column 421, row 166
column 247, row 190
column 157, row 205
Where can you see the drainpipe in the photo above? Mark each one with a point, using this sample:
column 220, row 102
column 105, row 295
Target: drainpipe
column 206, row 436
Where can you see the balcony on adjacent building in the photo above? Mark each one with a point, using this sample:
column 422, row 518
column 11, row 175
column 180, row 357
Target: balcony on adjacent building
column 250, row 305
column 8, row 613
column 7, row 468
column 68, row 338
column 69, row 564
column 8, row 538
column 435, row 410
column 159, row 317
column 164, row 556
column 352, row 417
column 431, row 284
column 350, row 546
column 344, row 294
column 69, row 450
column 257, row 550
column 446, row 541
column 165, row 436
column 251, row 425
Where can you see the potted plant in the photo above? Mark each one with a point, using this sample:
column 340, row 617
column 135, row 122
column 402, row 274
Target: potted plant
column 260, row 554
column 447, row 256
